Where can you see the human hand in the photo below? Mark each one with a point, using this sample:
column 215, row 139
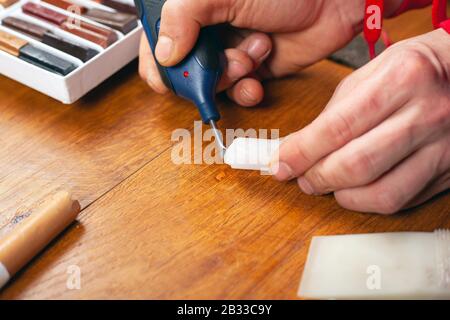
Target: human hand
column 383, row 141
column 264, row 38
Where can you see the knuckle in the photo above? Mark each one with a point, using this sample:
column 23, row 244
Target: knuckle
column 409, row 134
column 302, row 154
column 340, row 129
column 234, row 8
column 171, row 7
column 413, row 64
column 318, row 180
column 359, row 168
column 374, row 103
column 293, row 148
column 389, row 201
column 440, row 115
column 171, row 18
column 429, row 121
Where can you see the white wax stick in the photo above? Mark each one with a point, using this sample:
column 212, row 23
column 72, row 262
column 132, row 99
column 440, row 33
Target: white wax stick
column 251, row 153
column 4, row 275
column 408, row 265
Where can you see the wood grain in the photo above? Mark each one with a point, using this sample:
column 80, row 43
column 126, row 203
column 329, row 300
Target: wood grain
column 88, row 147
column 151, row 229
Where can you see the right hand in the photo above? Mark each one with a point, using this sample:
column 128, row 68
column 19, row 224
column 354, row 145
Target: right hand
column 265, row 38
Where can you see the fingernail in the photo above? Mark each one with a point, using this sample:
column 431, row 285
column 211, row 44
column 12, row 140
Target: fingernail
column 258, row 51
column 281, row 171
column 236, row 70
column 305, row 186
column 163, row 49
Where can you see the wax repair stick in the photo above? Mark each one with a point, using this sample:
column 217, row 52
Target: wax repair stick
column 7, row 3
column 34, row 232
column 251, row 153
column 120, row 21
column 102, row 36
column 118, row 5
column 27, row 52
column 46, row 36
column 403, row 265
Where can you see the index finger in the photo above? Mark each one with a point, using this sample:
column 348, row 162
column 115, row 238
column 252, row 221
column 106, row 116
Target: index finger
column 181, row 21
column 351, row 114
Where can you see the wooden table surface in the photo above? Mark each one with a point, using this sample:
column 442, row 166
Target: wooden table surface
column 152, row 229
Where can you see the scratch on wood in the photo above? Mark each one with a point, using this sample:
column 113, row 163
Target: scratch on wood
column 16, row 219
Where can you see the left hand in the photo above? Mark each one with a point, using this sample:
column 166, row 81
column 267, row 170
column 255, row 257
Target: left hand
column 382, row 144
column 263, row 38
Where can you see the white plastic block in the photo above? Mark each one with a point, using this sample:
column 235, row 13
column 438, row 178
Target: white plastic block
column 251, row 153
column 405, row 265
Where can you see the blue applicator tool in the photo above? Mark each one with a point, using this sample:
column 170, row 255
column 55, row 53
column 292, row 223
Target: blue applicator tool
column 196, row 77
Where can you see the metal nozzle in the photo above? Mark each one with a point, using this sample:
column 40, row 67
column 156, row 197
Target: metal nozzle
column 218, row 136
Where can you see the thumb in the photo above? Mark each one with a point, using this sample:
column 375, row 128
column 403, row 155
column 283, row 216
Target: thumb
column 181, row 21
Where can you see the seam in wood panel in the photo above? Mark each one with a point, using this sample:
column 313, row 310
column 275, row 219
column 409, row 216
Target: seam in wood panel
column 132, row 174
column 126, row 178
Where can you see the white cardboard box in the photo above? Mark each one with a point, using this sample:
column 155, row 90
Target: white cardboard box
column 87, row 76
